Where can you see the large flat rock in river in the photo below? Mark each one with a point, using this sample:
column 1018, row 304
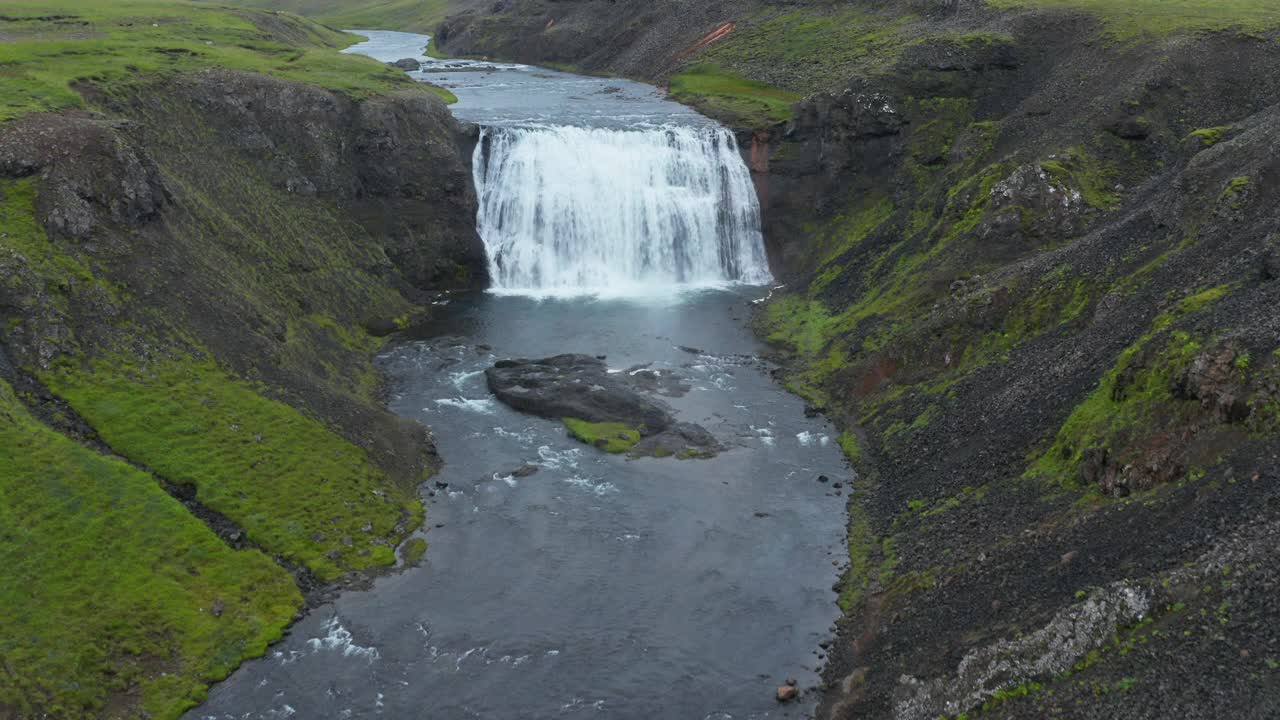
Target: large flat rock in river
column 609, row 410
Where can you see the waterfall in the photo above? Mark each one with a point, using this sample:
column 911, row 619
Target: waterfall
column 593, row 210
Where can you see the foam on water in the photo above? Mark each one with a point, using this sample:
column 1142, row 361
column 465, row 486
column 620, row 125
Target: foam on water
column 339, row 639
column 484, row 406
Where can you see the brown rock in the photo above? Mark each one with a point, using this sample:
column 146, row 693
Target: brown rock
column 787, row 693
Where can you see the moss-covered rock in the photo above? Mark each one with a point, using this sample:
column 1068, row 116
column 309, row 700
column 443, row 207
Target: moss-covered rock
column 610, row 437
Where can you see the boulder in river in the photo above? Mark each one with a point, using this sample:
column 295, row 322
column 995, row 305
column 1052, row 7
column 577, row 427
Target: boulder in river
column 407, row 64
column 610, row 411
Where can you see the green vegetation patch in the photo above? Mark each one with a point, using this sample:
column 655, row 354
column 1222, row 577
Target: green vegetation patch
column 1132, row 393
column 114, row 45
column 403, row 15
column 611, row 437
column 413, row 551
column 1134, row 19
column 297, row 489
column 829, row 46
column 1094, row 178
column 112, row 592
column 725, row 94
column 1209, row 137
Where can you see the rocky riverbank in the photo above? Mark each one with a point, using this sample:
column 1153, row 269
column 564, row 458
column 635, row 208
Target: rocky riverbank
column 1029, row 249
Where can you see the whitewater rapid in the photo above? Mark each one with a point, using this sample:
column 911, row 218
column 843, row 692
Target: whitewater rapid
column 578, row 210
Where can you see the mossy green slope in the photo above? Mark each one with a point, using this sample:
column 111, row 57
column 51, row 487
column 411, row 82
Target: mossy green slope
column 298, row 490
column 204, row 323
column 112, row 591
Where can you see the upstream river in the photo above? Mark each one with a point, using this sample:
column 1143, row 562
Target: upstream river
column 619, row 225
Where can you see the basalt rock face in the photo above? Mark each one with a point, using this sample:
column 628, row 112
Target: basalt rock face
column 358, row 208
column 1032, row 274
column 395, row 164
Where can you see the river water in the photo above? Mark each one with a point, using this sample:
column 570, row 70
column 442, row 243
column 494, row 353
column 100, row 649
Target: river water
column 599, row 586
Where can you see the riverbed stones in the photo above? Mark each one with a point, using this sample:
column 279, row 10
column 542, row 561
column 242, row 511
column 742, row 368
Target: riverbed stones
column 787, row 693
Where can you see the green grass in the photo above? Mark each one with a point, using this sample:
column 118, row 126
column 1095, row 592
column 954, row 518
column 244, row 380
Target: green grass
column 404, row 15
column 1132, row 19
column 609, row 436
column 115, row 45
column 297, row 489
column 724, row 94
column 110, row 586
column 830, row 47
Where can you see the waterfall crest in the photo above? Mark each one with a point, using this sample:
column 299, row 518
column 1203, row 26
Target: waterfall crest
column 591, row 210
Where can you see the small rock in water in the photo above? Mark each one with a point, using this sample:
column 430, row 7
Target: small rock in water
column 762, row 514
column 792, row 682
column 408, row 64
column 837, row 485
column 690, row 350
column 524, row 471
column 823, row 478
column 442, row 485
column 787, row 693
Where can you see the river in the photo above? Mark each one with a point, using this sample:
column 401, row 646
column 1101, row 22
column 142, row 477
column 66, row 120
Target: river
column 599, row 586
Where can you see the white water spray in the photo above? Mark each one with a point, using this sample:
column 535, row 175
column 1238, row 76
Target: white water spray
column 568, row 210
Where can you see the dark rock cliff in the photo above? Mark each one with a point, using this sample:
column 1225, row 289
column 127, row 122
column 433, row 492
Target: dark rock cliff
column 1030, row 263
column 232, row 205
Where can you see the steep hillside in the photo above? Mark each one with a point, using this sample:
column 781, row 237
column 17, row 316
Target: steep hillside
column 1032, row 270
column 209, row 221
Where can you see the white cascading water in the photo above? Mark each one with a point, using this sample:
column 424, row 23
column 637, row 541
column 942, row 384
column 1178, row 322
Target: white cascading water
column 567, row 210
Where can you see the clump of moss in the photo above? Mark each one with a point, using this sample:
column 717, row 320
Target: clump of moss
column 610, row 437
column 1209, row 137
column 1234, row 190
column 1094, row 178
column 112, row 591
column 413, row 551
